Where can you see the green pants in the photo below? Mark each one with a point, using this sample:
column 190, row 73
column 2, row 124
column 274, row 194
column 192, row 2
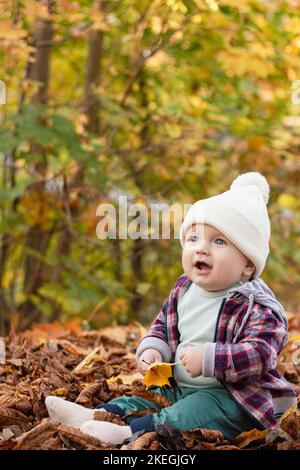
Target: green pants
column 209, row 407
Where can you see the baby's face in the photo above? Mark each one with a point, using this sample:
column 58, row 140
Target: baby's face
column 227, row 265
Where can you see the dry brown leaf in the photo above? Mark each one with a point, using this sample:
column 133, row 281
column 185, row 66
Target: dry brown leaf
column 24, row 406
column 290, row 372
column 290, row 421
column 209, row 435
column 293, row 445
column 128, row 379
column 87, row 360
column 46, row 331
column 119, row 389
column 52, row 443
column 86, row 396
column 210, row 446
column 79, row 437
column 7, row 444
column 71, row 348
column 296, row 357
column 250, row 437
column 109, row 372
column 15, row 362
column 148, row 441
column 9, row 416
column 41, row 364
column 154, row 397
column 141, row 330
column 8, row 400
column 275, row 435
column 106, row 416
column 195, row 438
column 34, row 438
column 115, row 333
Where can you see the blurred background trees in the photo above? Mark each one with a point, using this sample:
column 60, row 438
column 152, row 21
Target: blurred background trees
column 157, row 100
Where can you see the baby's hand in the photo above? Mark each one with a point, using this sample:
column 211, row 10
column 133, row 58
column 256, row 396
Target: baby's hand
column 148, row 357
column 191, row 359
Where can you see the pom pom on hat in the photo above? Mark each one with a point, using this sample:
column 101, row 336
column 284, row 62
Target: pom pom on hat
column 253, row 178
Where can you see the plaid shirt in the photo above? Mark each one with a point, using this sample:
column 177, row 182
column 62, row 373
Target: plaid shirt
column 246, row 351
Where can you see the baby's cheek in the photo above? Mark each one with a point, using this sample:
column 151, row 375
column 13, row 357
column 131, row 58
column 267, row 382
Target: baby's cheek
column 186, row 261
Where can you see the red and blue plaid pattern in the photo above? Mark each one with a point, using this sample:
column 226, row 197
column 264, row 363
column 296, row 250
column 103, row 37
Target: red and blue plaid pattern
column 245, row 355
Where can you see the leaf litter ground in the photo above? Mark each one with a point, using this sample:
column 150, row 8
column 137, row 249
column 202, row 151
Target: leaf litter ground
column 92, row 367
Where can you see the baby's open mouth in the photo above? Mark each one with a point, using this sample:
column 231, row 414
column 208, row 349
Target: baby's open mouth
column 202, row 266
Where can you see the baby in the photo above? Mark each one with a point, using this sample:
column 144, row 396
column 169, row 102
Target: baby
column 221, row 325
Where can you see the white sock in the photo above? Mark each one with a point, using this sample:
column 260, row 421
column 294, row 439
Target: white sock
column 107, row 432
column 67, row 412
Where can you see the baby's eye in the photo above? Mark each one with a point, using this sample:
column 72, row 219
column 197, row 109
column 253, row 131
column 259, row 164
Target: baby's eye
column 193, row 238
column 221, row 240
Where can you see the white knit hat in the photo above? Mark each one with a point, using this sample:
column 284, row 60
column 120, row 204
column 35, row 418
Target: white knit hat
column 240, row 214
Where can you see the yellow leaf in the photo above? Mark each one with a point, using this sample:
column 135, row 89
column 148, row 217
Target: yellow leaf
column 293, row 338
column 158, row 374
column 287, row 201
column 112, row 379
column 60, row 392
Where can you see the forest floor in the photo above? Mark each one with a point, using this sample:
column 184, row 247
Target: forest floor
column 94, row 366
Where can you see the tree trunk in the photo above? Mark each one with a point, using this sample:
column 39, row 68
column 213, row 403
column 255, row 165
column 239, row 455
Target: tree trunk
column 91, row 101
column 37, row 238
column 137, row 254
column 91, row 107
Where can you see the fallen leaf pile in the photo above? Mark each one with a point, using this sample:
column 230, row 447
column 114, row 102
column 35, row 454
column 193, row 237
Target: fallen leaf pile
column 92, row 367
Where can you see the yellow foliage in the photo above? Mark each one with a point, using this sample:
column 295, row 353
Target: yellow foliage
column 255, row 142
column 60, row 392
column 119, row 305
column 33, row 10
column 39, row 208
column 254, row 61
column 158, row 374
column 162, row 172
column 11, row 31
column 287, row 201
column 293, row 338
column 99, row 22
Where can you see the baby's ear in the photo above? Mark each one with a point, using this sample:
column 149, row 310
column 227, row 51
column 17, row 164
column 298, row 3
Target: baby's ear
column 253, row 270
column 249, row 269
column 250, row 264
